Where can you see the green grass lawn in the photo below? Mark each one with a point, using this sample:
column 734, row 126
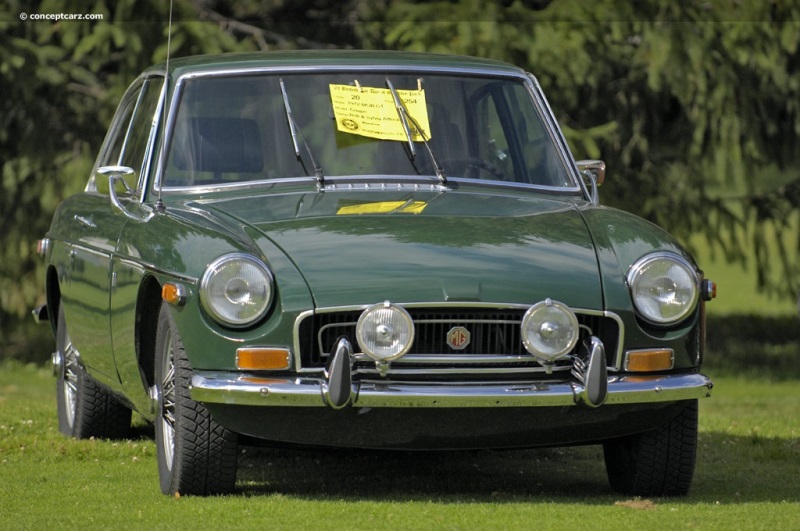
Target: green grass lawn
column 747, row 477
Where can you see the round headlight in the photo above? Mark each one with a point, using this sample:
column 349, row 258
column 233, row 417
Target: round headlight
column 385, row 332
column 549, row 330
column 236, row 289
column 664, row 288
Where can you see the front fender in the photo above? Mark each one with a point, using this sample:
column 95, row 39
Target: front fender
column 620, row 240
column 177, row 246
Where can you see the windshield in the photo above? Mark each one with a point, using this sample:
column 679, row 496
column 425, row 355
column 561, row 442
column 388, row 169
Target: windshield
column 244, row 128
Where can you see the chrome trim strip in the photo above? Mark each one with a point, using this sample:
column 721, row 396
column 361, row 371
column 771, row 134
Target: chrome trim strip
column 369, row 183
column 397, row 370
column 152, row 150
column 378, row 182
column 507, row 71
column 158, row 271
column 458, row 304
column 438, row 371
column 262, row 184
column 567, row 157
column 103, row 253
column 461, row 358
column 233, row 389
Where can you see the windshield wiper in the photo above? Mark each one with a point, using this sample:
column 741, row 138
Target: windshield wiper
column 401, row 113
column 295, row 131
column 404, row 118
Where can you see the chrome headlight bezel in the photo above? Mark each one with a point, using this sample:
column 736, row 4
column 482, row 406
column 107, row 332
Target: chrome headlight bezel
column 256, row 292
column 366, row 327
column 676, row 302
column 535, row 325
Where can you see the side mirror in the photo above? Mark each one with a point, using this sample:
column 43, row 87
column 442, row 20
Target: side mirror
column 595, row 172
column 118, row 174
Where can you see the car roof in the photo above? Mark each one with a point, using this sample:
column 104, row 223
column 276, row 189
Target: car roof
column 314, row 59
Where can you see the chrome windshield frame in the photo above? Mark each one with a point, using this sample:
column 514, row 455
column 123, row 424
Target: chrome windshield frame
column 534, row 90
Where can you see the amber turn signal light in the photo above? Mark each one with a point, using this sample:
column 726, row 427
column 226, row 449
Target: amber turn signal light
column 262, row 358
column 650, row 360
column 174, row 294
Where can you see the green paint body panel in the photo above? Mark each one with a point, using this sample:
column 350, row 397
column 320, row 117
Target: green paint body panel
column 467, row 246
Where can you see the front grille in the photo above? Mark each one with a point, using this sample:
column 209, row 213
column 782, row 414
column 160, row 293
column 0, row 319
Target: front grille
column 495, row 340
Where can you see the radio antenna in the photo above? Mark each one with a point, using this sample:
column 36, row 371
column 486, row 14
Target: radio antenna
column 159, row 202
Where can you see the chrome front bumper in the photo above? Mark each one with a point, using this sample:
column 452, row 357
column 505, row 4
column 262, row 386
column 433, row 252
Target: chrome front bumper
column 590, row 385
column 232, row 388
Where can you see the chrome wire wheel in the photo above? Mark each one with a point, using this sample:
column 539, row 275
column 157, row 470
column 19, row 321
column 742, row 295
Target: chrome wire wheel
column 168, row 404
column 70, row 377
column 195, row 455
column 85, row 408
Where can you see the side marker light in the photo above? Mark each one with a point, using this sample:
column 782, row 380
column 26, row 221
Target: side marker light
column 174, row 294
column 262, row 358
column 649, row 360
column 709, row 290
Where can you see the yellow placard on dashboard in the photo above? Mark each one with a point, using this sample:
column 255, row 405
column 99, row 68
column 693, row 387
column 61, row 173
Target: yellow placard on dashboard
column 383, row 207
column 371, row 112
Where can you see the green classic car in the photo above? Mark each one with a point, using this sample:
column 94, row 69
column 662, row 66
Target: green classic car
column 366, row 250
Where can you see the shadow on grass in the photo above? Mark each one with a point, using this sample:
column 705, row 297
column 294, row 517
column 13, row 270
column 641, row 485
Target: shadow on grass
column 459, row 476
column 764, row 347
column 729, row 470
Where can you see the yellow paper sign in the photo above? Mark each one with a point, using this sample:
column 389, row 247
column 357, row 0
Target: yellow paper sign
column 383, row 207
column 371, row 112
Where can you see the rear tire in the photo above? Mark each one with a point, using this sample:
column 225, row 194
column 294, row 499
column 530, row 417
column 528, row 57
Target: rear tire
column 196, row 455
column 85, row 409
column 655, row 463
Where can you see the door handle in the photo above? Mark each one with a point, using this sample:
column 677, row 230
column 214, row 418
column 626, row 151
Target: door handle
column 86, row 222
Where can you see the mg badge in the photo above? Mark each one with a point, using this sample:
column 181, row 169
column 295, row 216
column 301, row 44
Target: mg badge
column 458, row 338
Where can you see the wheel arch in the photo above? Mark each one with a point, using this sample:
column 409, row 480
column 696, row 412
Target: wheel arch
column 148, row 305
column 52, row 291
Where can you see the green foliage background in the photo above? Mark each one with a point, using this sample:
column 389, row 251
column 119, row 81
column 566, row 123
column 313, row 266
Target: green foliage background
column 694, row 105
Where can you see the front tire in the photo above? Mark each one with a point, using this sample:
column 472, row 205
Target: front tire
column 85, row 409
column 659, row 462
column 196, row 455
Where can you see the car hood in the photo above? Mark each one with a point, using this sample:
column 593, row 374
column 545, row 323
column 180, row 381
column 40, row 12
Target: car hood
column 357, row 248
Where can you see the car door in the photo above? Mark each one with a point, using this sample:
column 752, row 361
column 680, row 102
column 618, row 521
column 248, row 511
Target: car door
column 98, row 224
column 127, row 270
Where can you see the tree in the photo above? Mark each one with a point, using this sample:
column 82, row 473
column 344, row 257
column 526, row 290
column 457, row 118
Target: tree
column 62, row 80
column 694, row 105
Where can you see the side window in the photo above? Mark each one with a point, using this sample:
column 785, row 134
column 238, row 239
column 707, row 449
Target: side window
column 142, row 128
column 130, row 133
column 115, row 138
